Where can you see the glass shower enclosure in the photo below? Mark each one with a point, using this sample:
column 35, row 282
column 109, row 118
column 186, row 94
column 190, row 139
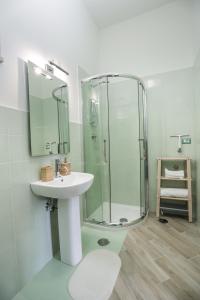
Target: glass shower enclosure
column 115, row 149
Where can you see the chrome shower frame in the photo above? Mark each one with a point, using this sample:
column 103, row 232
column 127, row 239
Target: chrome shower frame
column 145, row 150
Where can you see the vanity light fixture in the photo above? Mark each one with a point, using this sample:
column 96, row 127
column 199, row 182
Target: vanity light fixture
column 51, row 62
column 49, row 69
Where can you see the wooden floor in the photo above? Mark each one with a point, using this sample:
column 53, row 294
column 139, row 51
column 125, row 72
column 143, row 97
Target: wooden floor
column 160, row 261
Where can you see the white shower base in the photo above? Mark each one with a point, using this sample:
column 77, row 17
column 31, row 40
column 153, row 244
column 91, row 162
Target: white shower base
column 118, row 211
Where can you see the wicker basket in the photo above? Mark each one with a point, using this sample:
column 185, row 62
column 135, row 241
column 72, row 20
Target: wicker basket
column 46, row 173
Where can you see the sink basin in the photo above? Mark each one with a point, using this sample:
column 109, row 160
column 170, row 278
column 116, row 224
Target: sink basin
column 64, row 187
column 67, row 190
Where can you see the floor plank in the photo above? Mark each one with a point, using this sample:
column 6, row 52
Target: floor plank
column 160, row 262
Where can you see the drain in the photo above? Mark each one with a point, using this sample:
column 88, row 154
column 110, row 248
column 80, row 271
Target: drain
column 103, row 242
column 123, row 220
column 163, row 220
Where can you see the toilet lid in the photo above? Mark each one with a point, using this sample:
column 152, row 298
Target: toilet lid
column 95, row 276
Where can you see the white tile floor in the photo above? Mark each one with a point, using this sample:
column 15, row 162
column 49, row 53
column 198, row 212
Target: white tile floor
column 118, row 211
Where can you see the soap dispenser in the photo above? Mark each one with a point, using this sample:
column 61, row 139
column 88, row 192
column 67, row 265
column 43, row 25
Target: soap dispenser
column 65, row 168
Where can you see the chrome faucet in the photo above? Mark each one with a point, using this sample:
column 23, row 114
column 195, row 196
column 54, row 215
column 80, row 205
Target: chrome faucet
column 57, row 167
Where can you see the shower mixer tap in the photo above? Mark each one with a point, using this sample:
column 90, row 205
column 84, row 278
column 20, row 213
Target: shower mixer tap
column 179, row 136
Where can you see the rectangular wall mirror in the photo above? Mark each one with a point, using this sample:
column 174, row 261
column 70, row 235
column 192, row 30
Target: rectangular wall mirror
column 49, row 113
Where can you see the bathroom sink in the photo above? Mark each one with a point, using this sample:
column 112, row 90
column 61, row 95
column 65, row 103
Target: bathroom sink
column 64, row 187
column 67, row 190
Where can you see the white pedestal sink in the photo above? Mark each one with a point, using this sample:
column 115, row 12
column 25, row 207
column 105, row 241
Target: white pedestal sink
column 67, row 190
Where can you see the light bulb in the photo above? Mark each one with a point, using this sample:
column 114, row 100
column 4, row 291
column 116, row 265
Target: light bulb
column 48, row 77
column 38, row 71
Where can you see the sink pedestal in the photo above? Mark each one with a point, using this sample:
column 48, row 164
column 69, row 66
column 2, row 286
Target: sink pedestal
column 67, row 190
column 70, row 230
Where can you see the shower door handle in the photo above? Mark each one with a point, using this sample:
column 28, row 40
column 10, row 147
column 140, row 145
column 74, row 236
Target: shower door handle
column 144, row 156
column 105, row 151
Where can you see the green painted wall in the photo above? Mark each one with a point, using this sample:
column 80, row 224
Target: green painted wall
column 197, row 129
column 171, row 110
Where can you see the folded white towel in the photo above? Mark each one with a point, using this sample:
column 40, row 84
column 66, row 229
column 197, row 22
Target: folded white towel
column 174, row 192
column 174, row 174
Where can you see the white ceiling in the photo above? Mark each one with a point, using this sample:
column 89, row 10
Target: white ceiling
column 108, row 12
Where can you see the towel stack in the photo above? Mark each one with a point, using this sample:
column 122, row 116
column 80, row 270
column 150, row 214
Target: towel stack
column 174, row 192
column 174, row 174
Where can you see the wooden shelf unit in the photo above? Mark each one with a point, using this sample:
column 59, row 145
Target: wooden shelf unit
column 187, row 180
column 176, row 179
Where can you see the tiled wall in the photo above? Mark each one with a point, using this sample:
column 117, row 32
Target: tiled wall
column 76, row 148
column 76, row 154
column 24, row 223
column 25, row 237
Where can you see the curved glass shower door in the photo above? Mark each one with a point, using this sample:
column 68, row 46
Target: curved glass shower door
column 143, row 151
column 115, row 149
column 96, row 147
